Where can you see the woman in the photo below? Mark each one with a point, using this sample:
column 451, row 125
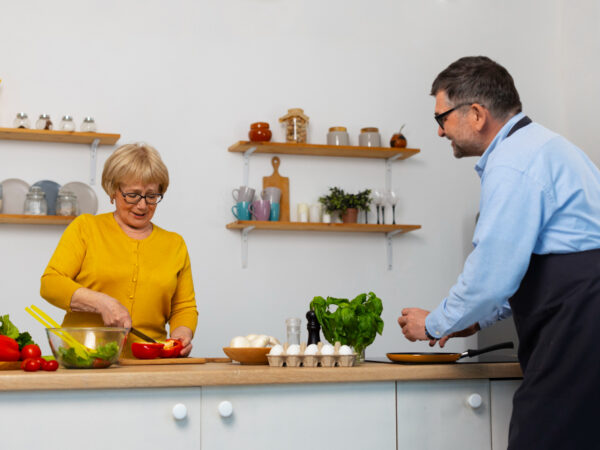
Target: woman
column 119, row 269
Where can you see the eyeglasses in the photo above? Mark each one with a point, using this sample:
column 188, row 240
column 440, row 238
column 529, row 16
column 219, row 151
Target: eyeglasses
column 133, row 198
column 441, row 118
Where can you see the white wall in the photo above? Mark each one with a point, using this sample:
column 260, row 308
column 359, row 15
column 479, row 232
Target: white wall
column 189, row 77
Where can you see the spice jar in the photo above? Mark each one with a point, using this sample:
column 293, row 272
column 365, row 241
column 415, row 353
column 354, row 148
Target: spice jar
column 259, row 132
column 21, row 121
column 66, row 203
column 67, row 124
column 35, row 202
column 338, row 136
column 44, row 122
column 292, row 326
column 295, row 125
column 88, row 125
column 369, row 137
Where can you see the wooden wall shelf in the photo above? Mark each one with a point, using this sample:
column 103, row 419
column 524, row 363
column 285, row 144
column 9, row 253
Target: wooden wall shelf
column 285, row 148
column 72, row 137
column 327, row 227
column 38, row 220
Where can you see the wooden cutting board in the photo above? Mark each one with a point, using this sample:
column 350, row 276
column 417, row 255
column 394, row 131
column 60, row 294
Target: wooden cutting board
column 283, row 183
column 146, row 362
column 10, row 365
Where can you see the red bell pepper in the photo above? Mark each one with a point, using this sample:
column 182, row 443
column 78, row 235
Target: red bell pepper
column 9, row 349
column 10, row 342
column 146, row 350
column 172, row 348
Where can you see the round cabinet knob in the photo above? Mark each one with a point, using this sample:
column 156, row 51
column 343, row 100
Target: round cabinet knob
column 225, row 408
column 179, row 411
column 474, row 401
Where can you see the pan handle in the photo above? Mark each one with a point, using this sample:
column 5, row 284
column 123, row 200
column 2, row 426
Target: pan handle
column 491, row 348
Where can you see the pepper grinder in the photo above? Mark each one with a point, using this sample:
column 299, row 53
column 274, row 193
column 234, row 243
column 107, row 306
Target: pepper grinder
column 313, row 327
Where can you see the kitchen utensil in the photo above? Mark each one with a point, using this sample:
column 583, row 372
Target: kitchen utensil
column 10, row 365
column 283, row 183
column 433, row 357
column 14, row 192
column 51, row 189
column 248, row 355
column 86, row 197
column 139, row 334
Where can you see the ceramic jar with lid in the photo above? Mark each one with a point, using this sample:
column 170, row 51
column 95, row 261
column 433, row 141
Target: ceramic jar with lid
column 66, row 203
column 338, row 136
column 43, row 122
column 67, row 124
column 369, row 137
column 259, row 132
column 35, row 202
column 296, row 124
column 21, row 121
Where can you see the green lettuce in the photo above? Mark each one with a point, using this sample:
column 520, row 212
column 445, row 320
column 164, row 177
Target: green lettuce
column 7, row 328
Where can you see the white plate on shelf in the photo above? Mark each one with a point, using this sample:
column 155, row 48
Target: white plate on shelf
column 87, row 200
column 14, row 191
column 51, row 189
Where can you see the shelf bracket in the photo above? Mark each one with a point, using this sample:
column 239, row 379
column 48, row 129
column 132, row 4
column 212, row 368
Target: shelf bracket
column 388, row 243
column 388, row 171
column 247, row 155
column 93, row 158
column 245, row 232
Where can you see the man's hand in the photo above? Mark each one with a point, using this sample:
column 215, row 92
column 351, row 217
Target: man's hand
column 462, row 333
column 412, row 323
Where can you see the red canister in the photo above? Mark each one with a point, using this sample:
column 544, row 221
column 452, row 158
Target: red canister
column 259, row 131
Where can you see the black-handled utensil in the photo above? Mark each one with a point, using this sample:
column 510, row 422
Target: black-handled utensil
column 491, row 348
column 139, row 334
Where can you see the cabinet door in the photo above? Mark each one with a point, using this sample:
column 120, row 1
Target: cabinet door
column 502, row 393
column 435, row 415
column 298, row 417
column 100, row 419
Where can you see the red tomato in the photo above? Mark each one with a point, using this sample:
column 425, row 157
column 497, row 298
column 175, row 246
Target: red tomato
column 146, row 350
column 50, row 366
column 172, row 348
column 30, row 351
column 10, row 342
column 30, row 365
column 8, row 354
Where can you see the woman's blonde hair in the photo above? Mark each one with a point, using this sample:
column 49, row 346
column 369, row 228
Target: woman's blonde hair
column 137, row 162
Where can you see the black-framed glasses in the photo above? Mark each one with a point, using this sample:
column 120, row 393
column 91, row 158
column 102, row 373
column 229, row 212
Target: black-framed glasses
column 441, row 118
column 133, row 198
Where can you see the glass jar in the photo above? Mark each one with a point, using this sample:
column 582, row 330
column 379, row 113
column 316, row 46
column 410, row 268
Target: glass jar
column 66, row 203
column 259, row 131
column 292, row 326
column 67, row 124
column 0, row 197
column 296, row 124
column 338, row 136
column 88, row 125
column 35, row 202
column 21, row 121
column 44, row 122
column 369, row 137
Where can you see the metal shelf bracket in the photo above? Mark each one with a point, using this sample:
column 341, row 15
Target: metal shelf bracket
column 247, row 155
column 93, row 158
column 388, row 243
column 388, row 171
column 245, row 232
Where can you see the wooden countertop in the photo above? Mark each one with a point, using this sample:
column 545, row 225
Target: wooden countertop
column 215, row 374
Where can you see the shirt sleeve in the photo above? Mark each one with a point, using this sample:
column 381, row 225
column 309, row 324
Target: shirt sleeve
column 183, row 304
column 512, row 211
column 58, row 280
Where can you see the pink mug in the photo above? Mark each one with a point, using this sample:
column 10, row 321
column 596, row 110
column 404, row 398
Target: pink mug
column 260, row 209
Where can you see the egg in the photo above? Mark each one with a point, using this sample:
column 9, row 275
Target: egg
column 293, row 349
column 276, row 350
column 327, row 349
column 345, row 350
column 239, row 341
column 312, row 349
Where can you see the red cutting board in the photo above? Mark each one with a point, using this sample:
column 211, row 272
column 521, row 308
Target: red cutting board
column 283, row 183
column 10, row 365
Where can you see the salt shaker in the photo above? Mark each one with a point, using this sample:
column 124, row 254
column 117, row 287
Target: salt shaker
column 292, row 326
column 35, row 202
column 67, row 124
column 88, row 125
column 21, row 121
column 44, row 122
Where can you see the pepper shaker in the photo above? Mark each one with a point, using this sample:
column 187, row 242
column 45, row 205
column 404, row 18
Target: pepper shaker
column 313, row 327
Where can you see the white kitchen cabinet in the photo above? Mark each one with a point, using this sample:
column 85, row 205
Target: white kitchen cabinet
column 101, row 419
column 298, row 417
column 447, row 415
column 502, row 393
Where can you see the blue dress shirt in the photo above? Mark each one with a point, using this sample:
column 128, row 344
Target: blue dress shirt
column 539, row 194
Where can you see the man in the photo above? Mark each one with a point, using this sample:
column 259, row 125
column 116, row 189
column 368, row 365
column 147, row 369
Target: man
column 536, row 246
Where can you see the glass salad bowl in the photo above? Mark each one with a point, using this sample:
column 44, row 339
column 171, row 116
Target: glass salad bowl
column 86, row 348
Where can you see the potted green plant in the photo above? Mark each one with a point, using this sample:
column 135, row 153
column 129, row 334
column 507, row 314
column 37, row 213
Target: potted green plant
column 346, row 204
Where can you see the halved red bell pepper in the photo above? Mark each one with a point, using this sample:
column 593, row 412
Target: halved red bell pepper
column 146, row 350
column 10, row 342
column 172, row 348
column 9, row 349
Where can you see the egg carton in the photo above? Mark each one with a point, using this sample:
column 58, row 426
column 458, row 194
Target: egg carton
column 318, row 360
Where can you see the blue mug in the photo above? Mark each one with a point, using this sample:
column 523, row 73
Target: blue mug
column 240, row 210
column 274, row 214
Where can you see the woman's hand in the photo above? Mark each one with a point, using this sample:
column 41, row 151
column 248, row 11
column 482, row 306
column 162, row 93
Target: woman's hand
column 113, row 313
column 185, row 335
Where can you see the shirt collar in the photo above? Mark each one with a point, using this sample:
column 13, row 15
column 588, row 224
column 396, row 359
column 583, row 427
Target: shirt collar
column 480, row 166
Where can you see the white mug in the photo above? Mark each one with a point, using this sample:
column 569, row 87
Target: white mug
column 314, row 212
column 326, row 217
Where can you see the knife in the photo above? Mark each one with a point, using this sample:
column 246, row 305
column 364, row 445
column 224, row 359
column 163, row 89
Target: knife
column 139, row 334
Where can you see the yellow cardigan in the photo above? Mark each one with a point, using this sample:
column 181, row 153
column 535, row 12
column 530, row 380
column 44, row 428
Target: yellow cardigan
column 151, row 277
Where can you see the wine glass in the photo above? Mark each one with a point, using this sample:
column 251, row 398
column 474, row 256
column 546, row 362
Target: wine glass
column 392, row 198
column 378, row 199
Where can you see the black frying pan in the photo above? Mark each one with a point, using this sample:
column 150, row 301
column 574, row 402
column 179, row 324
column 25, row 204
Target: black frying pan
column 432, row 357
